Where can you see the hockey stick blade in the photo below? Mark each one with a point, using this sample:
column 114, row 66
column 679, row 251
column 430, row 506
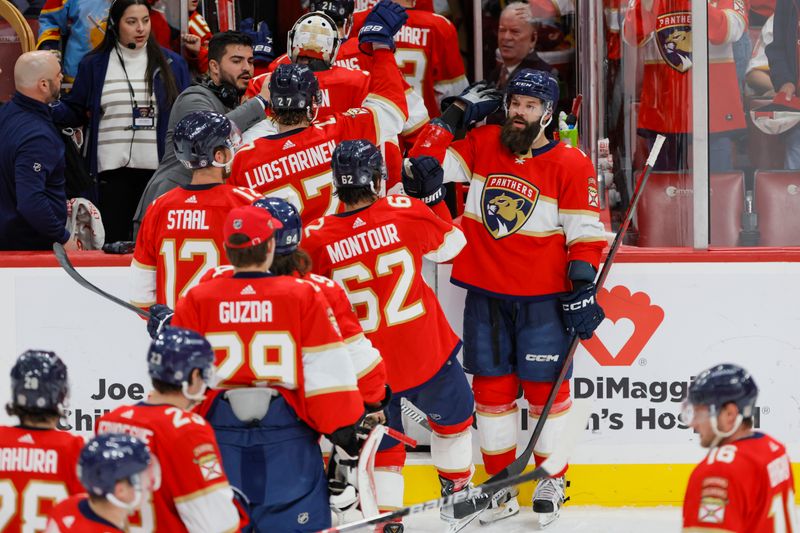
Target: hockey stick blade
column 519, row 464
column 66, row 264
column 576, row 424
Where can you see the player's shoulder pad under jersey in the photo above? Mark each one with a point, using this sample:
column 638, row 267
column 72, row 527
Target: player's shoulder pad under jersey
column 222, row 271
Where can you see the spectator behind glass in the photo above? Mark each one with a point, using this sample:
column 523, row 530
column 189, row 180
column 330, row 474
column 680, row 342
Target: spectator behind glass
column 124, row 91
column 33, row 204
column 195, row 42
column 666, row 94
column 757, row 78
column 782, row 56
column 516, row 50
column 80, row 22
column 230, row 67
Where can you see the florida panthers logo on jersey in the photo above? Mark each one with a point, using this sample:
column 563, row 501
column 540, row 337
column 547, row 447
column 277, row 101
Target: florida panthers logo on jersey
column 674, row 37
column 506, row 204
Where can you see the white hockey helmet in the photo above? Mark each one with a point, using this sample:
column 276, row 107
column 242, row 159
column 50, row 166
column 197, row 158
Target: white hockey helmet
column 777, row 117
column 316, row 37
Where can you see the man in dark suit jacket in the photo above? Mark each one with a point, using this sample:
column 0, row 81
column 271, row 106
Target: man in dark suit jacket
column 516, row 49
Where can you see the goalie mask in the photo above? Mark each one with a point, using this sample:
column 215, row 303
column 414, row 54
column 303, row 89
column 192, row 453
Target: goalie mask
column 314, row 36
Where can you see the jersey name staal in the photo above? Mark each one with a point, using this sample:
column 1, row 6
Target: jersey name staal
column 35, row 460
column 314, row 156
column 246, row 312
column 186, row 219
column 360, row 243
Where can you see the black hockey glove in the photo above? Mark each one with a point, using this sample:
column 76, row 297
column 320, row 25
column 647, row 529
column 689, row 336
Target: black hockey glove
column 423, row 179
column 480, row 100
column 581, row 312
column 385, row 19
column 119, row 247
column 349, row 439
column 160, row 316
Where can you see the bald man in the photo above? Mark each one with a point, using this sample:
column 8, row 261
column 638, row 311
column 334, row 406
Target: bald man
column 33, row 204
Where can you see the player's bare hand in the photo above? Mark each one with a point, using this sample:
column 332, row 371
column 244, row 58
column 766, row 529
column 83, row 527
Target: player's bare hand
column 788, row 90
column 73, row 244
column 264, row 93
column 191, row 43
column 374, row 419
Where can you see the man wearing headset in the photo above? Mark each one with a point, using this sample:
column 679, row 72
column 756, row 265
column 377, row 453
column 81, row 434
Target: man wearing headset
column 230, row 67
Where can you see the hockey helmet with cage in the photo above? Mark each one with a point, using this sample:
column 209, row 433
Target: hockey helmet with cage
column 293, row 87
column 316, row 37
column 339, row 10
column 200, row 134
column 722, row 384
column 535, row 83
column 355, row 163
column 110, row 458
column 288, row 237
column 175, row 352
column 39, row 382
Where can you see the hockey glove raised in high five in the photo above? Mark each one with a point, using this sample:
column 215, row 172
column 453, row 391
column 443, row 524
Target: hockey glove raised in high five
column 385, row 19
column 479, row 100
column 160, row 317
column 581, row 312
column 261, row 37
column 423, row 179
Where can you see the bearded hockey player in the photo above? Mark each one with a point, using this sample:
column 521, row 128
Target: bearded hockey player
column 532, row 206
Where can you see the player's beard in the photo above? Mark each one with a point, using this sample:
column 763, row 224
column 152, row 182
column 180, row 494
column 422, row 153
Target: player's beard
column 519, row 140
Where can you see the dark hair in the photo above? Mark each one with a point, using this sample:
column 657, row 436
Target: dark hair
column 291, row 117
column 155, row 57
column 285, row 265
column 245, row 257
column 37, row 416
column 163, row 387
column 220, row 41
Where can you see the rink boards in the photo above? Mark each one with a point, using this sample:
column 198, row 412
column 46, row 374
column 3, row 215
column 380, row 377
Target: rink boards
column 669, row 315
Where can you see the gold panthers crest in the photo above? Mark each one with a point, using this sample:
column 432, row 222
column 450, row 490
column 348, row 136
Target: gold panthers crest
column 507, row 203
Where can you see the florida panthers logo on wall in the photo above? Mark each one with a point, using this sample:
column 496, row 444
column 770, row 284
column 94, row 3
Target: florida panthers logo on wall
column 674, row 37
column 506, row 204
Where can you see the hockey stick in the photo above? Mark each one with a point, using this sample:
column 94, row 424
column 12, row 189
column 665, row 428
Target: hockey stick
column 66, row 264
column 413, row 413
column 576, row 424
column 521, row 462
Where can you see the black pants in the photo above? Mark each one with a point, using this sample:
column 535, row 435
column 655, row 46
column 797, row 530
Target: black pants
column 120, row 190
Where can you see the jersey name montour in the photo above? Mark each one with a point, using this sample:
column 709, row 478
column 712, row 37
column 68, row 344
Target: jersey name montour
column 314, row 156
column 362, row 242
column 29, row 460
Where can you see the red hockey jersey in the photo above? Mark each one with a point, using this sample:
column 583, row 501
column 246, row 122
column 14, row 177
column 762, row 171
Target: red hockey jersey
column 428, row 56
column 526, row 216
column 276, row 331
column 367, row 361
column 376, row 254
column 341, row 88
column 743, row 487
column 37, row 470
column 295, row 165
column 664, row 35
column 74, row 515
column 194, row 494
column 180, row 239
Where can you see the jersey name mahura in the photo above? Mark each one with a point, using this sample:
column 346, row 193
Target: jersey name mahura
column 245, row 312
column 362, row 242
column 34, row 460
column 186, row 219
column 302, row 160
column 106, row 426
